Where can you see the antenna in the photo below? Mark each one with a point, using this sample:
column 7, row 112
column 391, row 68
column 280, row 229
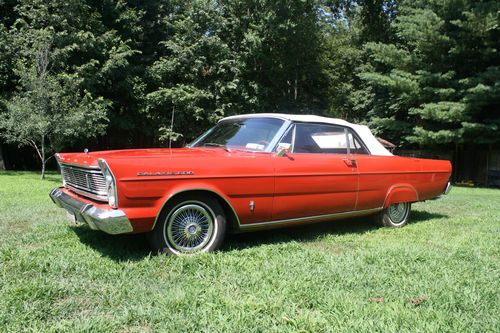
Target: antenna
column 171, row 127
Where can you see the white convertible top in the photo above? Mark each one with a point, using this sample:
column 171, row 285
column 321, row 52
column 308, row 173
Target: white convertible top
column 373, row 145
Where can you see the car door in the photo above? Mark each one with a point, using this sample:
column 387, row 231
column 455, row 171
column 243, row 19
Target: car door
column 316, row 176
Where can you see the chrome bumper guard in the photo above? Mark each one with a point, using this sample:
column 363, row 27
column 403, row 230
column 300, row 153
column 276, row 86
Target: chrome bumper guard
column 111, row 221
column 447, row 189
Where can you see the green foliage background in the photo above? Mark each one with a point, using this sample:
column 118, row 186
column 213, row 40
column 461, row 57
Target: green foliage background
column 420, row 72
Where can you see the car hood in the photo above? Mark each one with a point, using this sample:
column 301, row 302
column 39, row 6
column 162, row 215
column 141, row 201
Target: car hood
column 90, row 159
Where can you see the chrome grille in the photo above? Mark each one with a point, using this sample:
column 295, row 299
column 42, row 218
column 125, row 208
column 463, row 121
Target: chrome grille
column 85, row 181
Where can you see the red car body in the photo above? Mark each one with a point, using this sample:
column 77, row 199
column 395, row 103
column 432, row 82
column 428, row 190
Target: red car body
column 256, row 189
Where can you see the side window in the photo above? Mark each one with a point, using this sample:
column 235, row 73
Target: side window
column 320, row 139
column 355, row 147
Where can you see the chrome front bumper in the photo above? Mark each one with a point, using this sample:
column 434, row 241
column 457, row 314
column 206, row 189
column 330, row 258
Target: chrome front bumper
column 111, row 221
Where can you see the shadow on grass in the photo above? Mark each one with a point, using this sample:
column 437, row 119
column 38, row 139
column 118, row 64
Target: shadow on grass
column 136, row 247
column 311, row 232
column 417, row 216
column 116, row 247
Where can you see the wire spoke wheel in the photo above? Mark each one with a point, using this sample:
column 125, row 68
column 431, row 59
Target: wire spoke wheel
column 190, row 227
column 398, row 213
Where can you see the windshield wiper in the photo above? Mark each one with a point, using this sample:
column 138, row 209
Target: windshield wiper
column 213, row 144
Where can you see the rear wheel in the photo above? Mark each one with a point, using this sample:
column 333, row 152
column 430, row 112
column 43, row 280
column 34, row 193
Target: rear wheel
column 395, row 216
column 189, row 225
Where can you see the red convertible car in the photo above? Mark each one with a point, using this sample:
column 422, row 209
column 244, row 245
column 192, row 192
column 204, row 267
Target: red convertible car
column 248, row 172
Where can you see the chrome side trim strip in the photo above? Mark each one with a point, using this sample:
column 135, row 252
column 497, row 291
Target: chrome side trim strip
column 307, row 219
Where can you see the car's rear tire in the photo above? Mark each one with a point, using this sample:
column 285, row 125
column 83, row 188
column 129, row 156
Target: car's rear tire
column 188, row 225
column 395, row 215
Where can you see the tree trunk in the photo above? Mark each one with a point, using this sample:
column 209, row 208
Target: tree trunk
column 42, row 156
column 42, row 176
column 296, row 83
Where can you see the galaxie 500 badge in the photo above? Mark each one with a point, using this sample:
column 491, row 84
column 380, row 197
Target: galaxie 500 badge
column 165, row 173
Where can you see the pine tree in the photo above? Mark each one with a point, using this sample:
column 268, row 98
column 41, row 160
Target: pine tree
column 438, row 82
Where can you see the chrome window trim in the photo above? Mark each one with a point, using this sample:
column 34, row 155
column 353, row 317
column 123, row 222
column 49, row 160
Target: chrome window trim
column 357, row 137
column 274, row 142
column 201, row 137
column 347, row 143
column 346, row 128
column 290, row 127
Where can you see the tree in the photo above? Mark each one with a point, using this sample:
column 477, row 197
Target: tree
column 347, row 26
column 49, row 111
column 230, row 57
column 193, row 74
column 437, row 83
column 421, row 72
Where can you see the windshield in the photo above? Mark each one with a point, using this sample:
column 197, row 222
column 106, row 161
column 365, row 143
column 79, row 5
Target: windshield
column 246, row 133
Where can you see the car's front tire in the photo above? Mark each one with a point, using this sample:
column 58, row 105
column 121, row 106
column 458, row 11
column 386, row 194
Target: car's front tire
column 395, row 215
column 189, row 225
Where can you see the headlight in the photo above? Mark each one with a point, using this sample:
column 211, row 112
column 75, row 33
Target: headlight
column 110, row 183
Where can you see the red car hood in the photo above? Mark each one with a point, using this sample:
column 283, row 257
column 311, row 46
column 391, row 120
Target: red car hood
column 90, row 159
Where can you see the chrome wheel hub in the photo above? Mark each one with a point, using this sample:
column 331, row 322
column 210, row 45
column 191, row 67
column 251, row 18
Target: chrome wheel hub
column 190, row 227
column 398, row 212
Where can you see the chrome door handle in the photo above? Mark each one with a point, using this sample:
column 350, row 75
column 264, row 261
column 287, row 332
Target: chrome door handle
column 349, row 162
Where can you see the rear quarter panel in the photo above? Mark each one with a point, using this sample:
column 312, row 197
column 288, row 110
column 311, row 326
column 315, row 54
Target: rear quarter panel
column 391, row 179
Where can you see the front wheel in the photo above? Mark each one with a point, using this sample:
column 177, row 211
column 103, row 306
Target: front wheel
column 395, row 216
column 188, row 226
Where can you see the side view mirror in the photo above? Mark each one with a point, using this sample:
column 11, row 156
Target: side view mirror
column 282, row 152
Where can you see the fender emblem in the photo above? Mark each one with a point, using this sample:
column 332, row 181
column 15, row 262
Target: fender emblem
column 164, row 173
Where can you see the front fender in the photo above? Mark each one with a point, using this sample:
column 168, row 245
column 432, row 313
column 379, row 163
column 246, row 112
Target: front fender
column 195, row 187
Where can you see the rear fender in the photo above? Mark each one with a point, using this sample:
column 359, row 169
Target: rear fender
column 400, row 193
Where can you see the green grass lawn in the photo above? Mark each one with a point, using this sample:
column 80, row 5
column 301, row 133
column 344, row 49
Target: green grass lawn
column 440, row 273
